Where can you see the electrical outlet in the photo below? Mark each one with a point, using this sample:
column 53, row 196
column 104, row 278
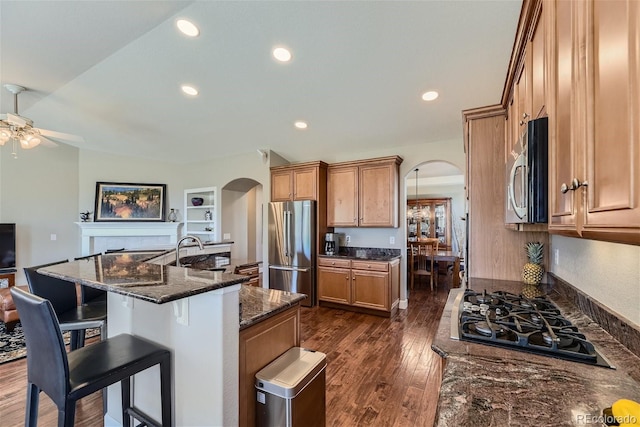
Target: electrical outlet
column 392, row 240
column 54, row 237
column 347, row 239
column 556, row 256
column 226, row 236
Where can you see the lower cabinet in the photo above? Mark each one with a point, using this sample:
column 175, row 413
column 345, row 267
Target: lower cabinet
column 260, row 344
column 251, row 270
column 368, row 286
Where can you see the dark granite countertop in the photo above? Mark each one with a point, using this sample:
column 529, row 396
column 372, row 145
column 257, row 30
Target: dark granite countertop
column 260, row 303
column 126, row 274
column 366, row 254
column 490, row 386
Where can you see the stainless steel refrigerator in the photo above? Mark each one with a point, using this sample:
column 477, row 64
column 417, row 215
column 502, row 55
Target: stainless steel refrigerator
column 292, row 245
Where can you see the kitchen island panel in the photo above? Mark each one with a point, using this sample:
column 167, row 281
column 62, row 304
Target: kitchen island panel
column 205, row 356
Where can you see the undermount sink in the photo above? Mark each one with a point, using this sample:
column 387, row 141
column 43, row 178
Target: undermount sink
column 211, row 262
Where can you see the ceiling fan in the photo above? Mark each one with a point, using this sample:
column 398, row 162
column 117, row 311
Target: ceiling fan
column 20, row 129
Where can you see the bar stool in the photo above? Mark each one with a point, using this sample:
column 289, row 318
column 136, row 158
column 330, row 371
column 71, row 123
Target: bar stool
column 68, row 377
column 64, row 299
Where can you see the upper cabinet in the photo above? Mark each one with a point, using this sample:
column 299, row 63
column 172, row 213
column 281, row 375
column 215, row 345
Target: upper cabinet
column 527, row 96
column 302, row 181
column 594, row 119
column 364, row 193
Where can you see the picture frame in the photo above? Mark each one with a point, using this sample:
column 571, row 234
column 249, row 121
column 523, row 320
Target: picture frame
column 129, row 202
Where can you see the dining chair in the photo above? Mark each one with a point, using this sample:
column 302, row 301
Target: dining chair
column 422, row 262
column 73, row 317
column 68, row 377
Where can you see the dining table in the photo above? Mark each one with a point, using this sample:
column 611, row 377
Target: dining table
column 444, row 256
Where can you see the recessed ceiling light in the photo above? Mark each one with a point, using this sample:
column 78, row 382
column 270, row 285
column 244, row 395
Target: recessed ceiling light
column 189, row 90
column 300, row 124
column 282, row 54
column 187, row 27
column 430, row 96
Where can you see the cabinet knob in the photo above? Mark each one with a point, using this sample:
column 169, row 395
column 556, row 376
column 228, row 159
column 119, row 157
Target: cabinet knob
column 525, row 115
column 346, row 277
column 575, row 184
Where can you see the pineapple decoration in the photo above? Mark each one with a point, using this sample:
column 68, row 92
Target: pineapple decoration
column 533, row 270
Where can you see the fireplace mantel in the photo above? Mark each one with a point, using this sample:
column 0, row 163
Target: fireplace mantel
column 167, row 231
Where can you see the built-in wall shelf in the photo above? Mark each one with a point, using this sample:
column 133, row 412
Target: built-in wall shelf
column 200, row 219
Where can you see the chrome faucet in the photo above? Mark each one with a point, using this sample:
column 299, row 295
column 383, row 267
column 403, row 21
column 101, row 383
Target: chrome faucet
column 188, row 237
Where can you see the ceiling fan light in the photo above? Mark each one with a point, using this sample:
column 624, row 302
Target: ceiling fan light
column 4, row 136
column 29, row 141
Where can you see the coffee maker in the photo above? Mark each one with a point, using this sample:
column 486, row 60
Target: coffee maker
column 331, row 243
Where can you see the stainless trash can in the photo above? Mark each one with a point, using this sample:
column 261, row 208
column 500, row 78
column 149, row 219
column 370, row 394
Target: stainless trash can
column 290, row 391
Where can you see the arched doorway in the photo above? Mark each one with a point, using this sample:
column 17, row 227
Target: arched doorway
column 435, row 201
column 241, row 201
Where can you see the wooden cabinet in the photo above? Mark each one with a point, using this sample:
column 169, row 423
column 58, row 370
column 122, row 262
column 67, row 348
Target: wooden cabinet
column 434, row 220
column 369, row 286
column 334, row 280
column 259, row 345
column 252, row 270
column 527, row 96
column 494, row 252
column 302, row 181
column 594, row 118
column 363, row 193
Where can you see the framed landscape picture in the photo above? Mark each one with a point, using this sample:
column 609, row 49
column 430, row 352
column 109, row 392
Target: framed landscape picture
column 117, row 201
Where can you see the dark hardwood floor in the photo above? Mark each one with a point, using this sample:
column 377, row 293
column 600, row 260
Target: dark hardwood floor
column 380, row 371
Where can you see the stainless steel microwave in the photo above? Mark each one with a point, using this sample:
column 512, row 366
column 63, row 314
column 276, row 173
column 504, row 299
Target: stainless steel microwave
column 527, row 176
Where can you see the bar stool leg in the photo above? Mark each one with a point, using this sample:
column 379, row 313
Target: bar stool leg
column 165, row 390
column 33, row 399
column 125, row 385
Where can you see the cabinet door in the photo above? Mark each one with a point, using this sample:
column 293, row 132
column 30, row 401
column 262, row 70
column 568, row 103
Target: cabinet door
column 378, row 195
column 281, row 186
column 305, row 185
column 342, row 197
column 563, row 147
column 537, row 49
column 333, row 285
column 612, row 141
column 371, row 289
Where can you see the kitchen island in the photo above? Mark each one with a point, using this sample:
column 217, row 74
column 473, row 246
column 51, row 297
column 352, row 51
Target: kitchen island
column 487, row 385
column 195, row 313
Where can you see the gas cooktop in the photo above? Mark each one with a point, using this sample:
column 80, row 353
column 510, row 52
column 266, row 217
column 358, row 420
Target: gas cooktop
column 512, row 321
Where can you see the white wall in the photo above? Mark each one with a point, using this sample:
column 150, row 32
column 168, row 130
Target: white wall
column 40, row 194
column 608, row 272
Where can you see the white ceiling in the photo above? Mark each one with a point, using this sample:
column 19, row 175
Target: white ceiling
column 110, row 71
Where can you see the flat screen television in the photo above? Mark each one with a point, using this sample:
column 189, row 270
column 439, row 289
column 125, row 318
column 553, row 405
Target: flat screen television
column 7, row 246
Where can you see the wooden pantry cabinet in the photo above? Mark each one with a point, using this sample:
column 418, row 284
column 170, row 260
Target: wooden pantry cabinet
column 364, row 193
column 361, row 285
column 594, row 119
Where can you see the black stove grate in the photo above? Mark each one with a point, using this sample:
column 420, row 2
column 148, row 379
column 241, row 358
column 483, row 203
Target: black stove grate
column 533, row 325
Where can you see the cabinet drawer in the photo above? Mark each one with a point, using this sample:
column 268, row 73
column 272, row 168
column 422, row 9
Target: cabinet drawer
column 333, row 262
column 248, row 271
column 370, row 265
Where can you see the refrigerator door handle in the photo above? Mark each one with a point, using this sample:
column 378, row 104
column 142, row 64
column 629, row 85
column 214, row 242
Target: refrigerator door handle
column 277, row 267
column 289, row 234
column 285, row 233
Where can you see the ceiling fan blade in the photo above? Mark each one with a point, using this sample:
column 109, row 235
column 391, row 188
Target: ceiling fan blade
column 47, row 142
column 60, row 135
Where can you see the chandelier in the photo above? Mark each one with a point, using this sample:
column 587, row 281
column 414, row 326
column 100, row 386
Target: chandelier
column 416, row 212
